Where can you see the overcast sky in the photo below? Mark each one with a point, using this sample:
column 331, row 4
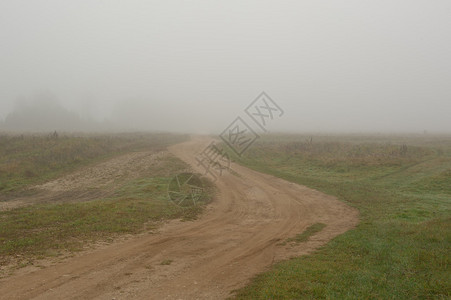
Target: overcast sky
column 196, row 65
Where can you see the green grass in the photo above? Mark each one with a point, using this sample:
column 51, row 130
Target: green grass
column 304, row 236
column 42, row 230
column 401, row 186
column 134, row 206
column 166, row 262
column 30, row 159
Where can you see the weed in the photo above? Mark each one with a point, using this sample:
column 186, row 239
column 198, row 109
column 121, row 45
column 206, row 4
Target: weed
column 166, row 262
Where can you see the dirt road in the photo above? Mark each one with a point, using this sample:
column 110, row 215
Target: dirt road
column 238, row 237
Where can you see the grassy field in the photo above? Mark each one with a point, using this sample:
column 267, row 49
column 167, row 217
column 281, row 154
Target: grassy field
column 43, row 230
column 26, row 159
column 402, row 188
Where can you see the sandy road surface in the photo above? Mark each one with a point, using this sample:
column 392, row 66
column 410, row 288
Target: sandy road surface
column 238, row 237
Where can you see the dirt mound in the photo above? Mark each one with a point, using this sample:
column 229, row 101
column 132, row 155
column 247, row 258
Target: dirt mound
column 101, row 175
column 89, row 183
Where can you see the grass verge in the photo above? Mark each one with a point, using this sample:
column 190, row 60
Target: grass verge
column 304, row 236
column 400, row 249
column 50, row 229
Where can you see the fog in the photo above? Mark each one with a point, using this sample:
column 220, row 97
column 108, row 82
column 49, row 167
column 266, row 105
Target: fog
column 194, row 66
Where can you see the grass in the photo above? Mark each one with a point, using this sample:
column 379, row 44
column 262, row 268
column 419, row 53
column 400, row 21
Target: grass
column 43, row 230
column 29, row 159
column 304, row 236
column 166, row 262
column 401, row 186
column 136, row 205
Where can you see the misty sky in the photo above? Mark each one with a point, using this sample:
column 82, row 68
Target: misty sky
column 195, row 65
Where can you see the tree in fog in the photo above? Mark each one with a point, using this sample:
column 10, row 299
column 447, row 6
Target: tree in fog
column 42, row 112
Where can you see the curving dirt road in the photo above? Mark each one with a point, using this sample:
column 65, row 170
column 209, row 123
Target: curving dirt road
column 239, row 236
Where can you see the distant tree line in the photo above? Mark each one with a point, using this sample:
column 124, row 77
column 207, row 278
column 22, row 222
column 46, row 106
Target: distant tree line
column 44, row 113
